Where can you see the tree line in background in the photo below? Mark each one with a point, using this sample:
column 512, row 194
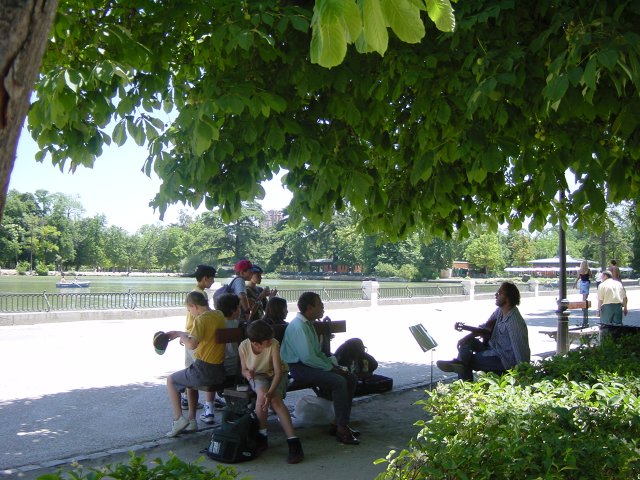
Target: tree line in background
column 45, row 231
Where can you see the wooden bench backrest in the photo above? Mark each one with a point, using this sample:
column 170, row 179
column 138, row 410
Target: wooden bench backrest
column 579, row 305
column 236, row 335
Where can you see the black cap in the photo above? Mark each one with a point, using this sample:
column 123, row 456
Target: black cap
column 256, row 269
column 160, row 342
column 204, row 271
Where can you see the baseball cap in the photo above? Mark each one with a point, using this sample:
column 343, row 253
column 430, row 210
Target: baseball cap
column 160, row 342
column 243, row 265
column 204, row 271
column 257, row 269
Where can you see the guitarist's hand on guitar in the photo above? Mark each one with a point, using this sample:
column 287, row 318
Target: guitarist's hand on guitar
column 483, row 332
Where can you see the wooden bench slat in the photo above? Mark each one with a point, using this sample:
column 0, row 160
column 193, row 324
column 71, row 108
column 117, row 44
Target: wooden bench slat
column 236, row 335
column 579, row 305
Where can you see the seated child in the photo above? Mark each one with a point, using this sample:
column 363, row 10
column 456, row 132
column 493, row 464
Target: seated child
column 229, row 305
column 207, row 367
column 267, row 374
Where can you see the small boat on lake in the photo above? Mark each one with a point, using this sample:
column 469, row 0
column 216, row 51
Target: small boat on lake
column 74, row 284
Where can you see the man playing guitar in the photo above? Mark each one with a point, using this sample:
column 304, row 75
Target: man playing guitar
column 504, row 344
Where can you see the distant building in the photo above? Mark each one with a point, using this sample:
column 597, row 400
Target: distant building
column 327, row 265
column 273, row 217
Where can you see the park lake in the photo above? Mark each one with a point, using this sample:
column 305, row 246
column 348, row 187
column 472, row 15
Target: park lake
column 117, row 284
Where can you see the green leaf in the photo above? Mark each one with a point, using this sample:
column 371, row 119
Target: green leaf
column 351, row 20
column 556, row 88
column 441, row 13
column 590, row 72
column 374, row 26
column 404, row 19
column 422, row 168
column 136, row 131
column 119, row 134
column 300, row 23
column 202, row 137
column 329, row 37
column 444, row 113
column 328, row 43
column 608, row 58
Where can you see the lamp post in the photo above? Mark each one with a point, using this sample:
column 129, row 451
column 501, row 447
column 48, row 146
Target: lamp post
column 562, row 338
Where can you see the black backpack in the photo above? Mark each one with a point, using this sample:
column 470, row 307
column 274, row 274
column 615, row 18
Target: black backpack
column 226, row 288
column 353, row 355
column 235, row 439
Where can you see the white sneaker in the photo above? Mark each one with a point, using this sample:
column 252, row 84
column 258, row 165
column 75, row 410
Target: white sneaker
column 219, row 403
column 178, row 426
column 192, row 427
column 207, row 415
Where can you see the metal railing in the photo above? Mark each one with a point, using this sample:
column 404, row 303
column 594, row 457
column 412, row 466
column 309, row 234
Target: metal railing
column 51, row 302
column 48, row 302
column 420, row 291
column 326, row 294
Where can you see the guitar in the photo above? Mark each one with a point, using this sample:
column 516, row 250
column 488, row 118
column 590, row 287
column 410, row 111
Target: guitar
column 485, row 333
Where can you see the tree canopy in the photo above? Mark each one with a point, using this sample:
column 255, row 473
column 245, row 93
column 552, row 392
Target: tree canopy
column 474, row 127
column 48, row 231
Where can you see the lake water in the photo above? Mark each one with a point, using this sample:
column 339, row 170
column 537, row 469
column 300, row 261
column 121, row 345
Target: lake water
column 101, row 284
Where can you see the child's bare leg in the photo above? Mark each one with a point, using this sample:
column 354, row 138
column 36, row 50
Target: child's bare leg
column 174, row 398
column 192, row 398
column 283, row 414
column 261, row 413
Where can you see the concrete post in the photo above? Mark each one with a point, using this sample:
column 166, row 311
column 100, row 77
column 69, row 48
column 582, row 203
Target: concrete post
column 469, row 287
column 535, row 285
column 370, row 291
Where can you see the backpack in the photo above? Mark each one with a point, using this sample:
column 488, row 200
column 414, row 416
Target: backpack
column 353, row 355
column 224, row 289
column 235, row 439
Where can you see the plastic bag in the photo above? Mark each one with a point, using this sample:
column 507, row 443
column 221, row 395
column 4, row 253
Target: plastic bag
column 311, row 410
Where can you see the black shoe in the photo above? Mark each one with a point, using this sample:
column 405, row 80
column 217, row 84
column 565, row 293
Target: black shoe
column 345, row 436
column 262, row 443
column 333, row 429
column 455, row 366
column 296, row 455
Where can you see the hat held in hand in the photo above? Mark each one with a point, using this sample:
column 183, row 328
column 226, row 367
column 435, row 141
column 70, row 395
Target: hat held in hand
column 160, row 342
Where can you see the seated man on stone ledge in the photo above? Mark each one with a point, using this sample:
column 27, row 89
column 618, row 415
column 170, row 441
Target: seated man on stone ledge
column 301, row 349
column 507, row 345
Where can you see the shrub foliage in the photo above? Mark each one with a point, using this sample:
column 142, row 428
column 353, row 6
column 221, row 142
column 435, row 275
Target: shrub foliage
column 570, row 417
column 140, row 469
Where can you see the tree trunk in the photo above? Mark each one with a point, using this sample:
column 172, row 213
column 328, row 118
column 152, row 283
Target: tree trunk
column 26, row 25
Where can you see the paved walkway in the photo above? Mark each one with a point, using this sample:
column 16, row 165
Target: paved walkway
column 95, row 389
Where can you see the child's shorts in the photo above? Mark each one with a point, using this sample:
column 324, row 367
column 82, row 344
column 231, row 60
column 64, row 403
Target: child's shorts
column 264, row 382
column 198, row 374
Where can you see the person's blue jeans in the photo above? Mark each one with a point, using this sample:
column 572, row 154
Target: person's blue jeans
column 475, row 355
column 341, row 385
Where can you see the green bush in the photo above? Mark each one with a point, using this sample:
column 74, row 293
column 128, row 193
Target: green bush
column 22, row 268
column 139, row 469
column 42, row 269
column 409, row 272
column 572, row 417
column 385, row 270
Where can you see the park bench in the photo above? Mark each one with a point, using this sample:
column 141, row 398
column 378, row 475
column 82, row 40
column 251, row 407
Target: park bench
column 325, row 330
column 583, row 333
